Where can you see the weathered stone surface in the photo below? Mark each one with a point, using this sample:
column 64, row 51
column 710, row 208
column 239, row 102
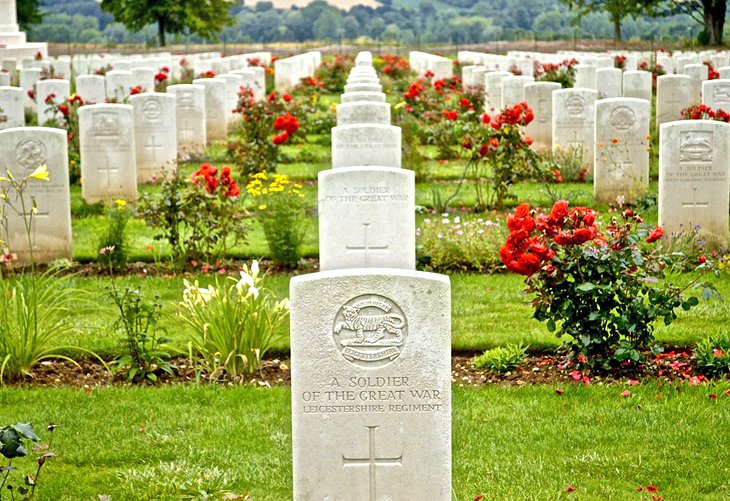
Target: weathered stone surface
column 108, row 159
column 11, row 104
column 574, row 122
column 371, row 385
column 363, row 112
column 155, row 134
column 367, row 218
column 621, row 172
column 673, row 95
column 24, row 149
column 693, row 179
column 365, row 145
column 538, row 96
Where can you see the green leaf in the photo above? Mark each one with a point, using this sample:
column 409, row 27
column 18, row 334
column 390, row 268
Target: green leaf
column 693, row 301
column 551, row 325
column 706, row 293
column 586, row 287
column 26, row 430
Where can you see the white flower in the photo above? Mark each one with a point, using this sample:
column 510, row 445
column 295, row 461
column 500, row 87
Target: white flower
column 445, row 214
column 427, row 220
column 459, row 232
column 480, row 232
column 253, row 291
column 440, row 235
column 457, row 220
column 445, row 220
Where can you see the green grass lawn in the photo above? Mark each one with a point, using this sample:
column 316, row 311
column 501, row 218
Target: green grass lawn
column 509, row 443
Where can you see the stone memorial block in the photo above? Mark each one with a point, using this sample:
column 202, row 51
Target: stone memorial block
column 10, row 65
column 189, row 117
column 697, row 74
column 119, row 84
column 155, row 135
column 693, row 179
column 91, row 88
column 493, row 90
column 621, row 169
column 233, row 88
column 24, row 149
column 672, row 96
column 28, row 78
column 4, row 79
column 366, row 145
column 357, row 80
column 666, row 62
column 356, row 112
column 638, row 84
column 215, row 107
column 62, row 69
column 349, row 97
column 513, row 90
column 351, row 237
column 289, row 71
column 144, row 77
column 43, row 90
column 574, row 122
column 371, row 381
column 364, row 58
column 253, row 80
column 363, row 88
column 12, row 113
column 718, row 60
column 538, row 96
column 108, row 160
column 585, row 76
column 716, row 94
column 609, row 82
column 724, row 72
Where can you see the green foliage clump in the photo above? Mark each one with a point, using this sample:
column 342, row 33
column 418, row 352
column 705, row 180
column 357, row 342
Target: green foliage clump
column 713, row 354
column 234, row 323
column 113, row 243
column 448, row 244
column 502, row 358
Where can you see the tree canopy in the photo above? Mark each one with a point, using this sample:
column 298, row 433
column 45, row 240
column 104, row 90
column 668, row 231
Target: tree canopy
column 28, row 14
column 204, row 18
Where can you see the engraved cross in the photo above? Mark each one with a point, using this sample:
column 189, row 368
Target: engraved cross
column 372, row 461
column 365, row 247
column 152, row 145
column 107, row 170
column 694, row 204
column 186, row 130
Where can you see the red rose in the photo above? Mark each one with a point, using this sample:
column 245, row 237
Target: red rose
column 281, row 138
column 563, row 238
column 655, row 235
column 559, row 211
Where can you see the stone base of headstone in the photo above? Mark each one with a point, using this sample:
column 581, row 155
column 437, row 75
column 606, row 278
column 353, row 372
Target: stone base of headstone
column 371, row 379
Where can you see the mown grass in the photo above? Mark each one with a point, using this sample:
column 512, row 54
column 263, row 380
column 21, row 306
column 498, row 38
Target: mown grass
column 509, row 443
column 487, row 311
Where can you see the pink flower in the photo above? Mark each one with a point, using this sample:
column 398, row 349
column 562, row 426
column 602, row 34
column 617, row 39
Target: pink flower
column 625, row 393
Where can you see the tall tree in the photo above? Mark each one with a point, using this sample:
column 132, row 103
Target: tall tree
column 204, row 18
column 709, row 13
column 617, row 9
column 28, row 13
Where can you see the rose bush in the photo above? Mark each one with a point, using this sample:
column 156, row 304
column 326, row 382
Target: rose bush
column 600, row 288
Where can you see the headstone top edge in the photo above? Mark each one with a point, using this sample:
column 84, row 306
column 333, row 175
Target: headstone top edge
column 385, row 273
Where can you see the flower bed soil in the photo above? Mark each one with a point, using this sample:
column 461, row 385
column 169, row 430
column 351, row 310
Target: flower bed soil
column 674, row 365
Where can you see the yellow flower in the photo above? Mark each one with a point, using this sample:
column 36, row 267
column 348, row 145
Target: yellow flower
column 40, row 173
column 262, row 206
column 120, row 203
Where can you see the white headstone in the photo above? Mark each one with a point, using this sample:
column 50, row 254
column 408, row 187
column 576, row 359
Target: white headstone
column 672, row 96
column 538, row 96
column 44, row 89
column 189, row 117
column 11, row 107
column 215, row 107
column 91, row 88
column 493, row 90
column 144, row 77
column 155, row 135
column 513, row 90
column 233, row 88
column 350, row 97
column 697, row 73
column 585, row 76
column 609, row 82
column 29, row 147
column 716, row 94
column 694, row 182
column 108, row 161
column 366, row 145
column 351, row 237
column 638, row 84
column 118, row 85
column 363, row 112
column 621, row 171
column 574, row 122
column 28, row 79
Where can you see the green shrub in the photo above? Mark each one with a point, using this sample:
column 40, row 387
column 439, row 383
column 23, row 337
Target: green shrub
column 713, row 354
column 234, row 324
column 502, row 359
column 452, row 244
column 113, row 245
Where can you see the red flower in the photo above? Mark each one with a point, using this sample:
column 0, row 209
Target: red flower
column 486, row 119
column 651, row 488
column 50, row 98
column 135, row 90
column 387, row 69
column 165, row 69
column 281, row 138
column 286, row 97
column 76, row 99
column 31, row 94
column 64, row 110
column 702, row 259
column 287, row 123
column 559, row 391
column 160, row 77
column 626, row 393
column 570, row 488
column 272, row 96
column 655, row 235
column 464, row 102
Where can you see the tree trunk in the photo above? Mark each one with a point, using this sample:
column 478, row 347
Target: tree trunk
column 714, row 16
column 161, row 31
column 616, row 20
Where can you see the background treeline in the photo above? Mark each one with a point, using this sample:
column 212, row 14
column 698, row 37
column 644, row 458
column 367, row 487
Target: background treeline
column 410, row 22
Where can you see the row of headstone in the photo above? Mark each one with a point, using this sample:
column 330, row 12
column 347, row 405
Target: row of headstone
column 288, row 72
column 370, row 336
column 423, row 62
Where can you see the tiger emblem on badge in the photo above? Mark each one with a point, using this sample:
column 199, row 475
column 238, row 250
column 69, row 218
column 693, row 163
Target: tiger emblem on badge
column 370, row 331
